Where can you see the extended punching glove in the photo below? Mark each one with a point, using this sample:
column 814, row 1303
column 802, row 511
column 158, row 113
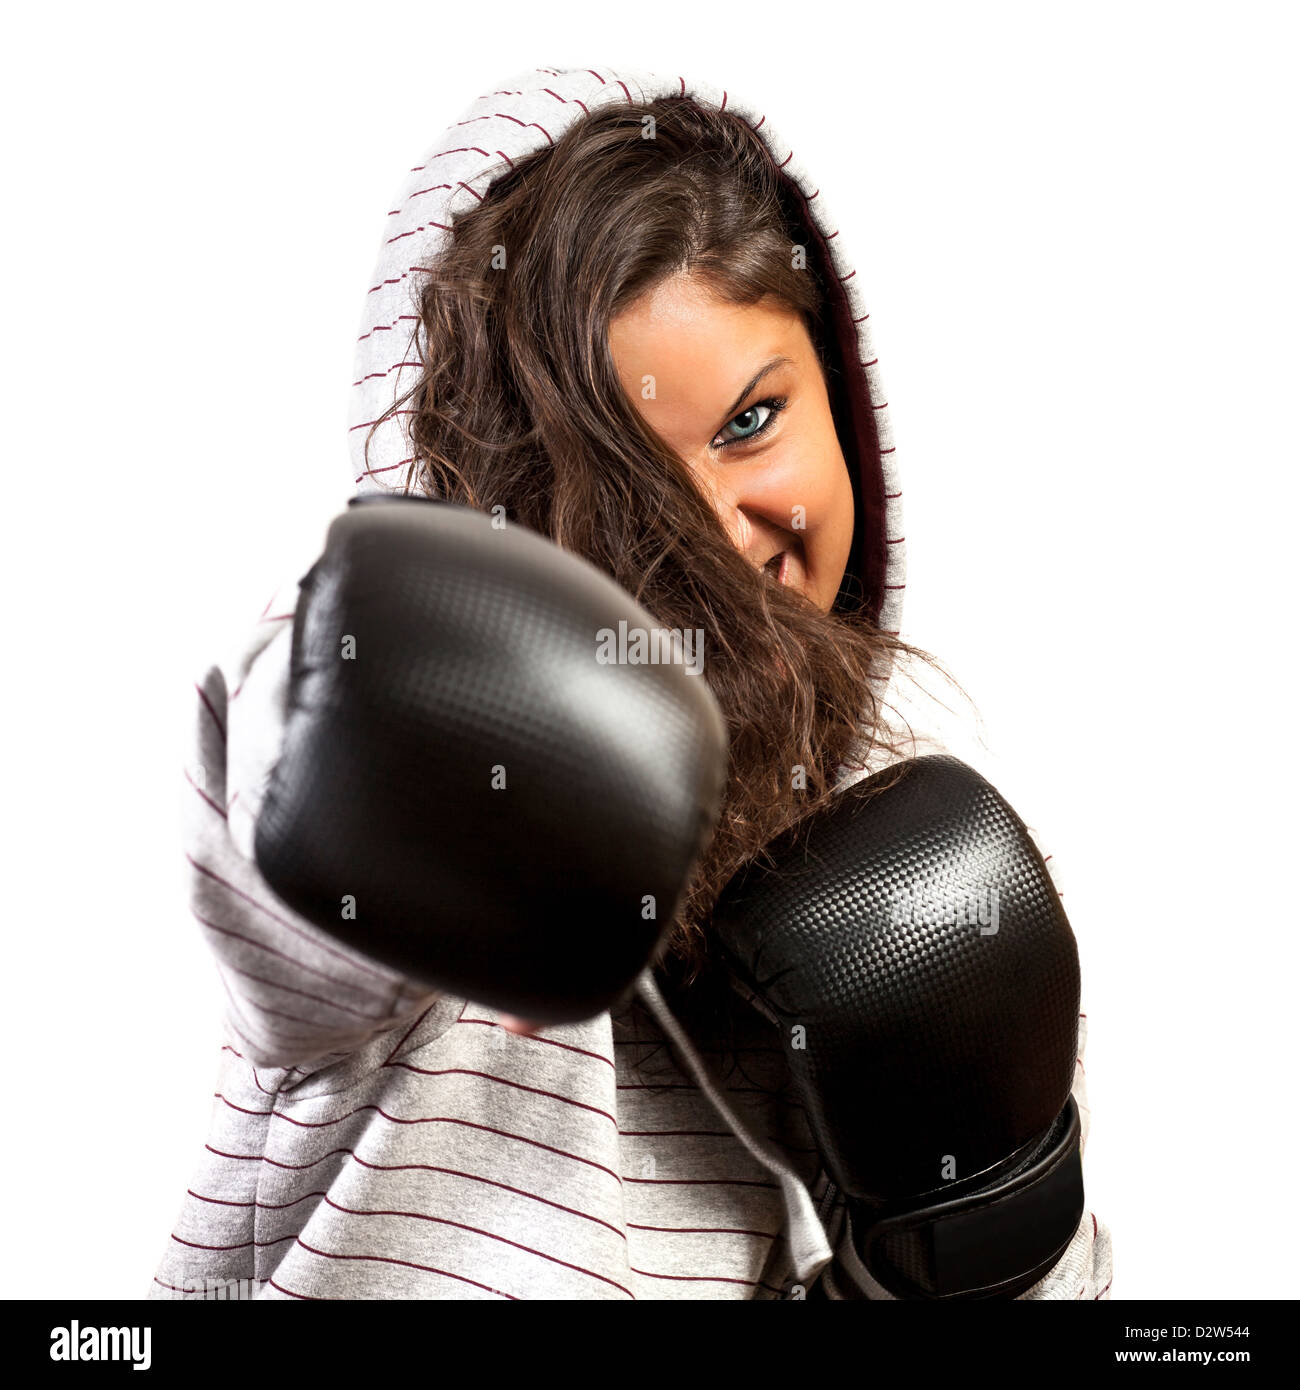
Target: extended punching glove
column 468, row 789
column 911, row 948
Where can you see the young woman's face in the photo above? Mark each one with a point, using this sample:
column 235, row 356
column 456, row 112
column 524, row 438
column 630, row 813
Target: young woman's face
column 709, row 377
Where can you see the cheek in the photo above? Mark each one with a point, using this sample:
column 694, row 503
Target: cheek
column 839, row 515
column 805, row 489
column 827, row 494
column 828, row 539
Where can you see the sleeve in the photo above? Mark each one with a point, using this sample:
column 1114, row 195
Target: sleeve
column 295, row 998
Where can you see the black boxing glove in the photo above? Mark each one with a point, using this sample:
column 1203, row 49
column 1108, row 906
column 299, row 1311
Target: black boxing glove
column 465, row 790
column 912, row 949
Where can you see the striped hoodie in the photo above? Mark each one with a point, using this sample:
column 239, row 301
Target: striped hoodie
column 371, row 1139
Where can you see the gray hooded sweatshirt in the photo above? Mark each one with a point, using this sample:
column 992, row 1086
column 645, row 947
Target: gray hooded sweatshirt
column 371, row 1139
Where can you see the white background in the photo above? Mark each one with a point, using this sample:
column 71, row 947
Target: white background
column 1075, row 229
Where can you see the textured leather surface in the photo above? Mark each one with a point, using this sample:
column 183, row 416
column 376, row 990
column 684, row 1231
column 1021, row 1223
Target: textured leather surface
column 936, row 1055
column 476, row 650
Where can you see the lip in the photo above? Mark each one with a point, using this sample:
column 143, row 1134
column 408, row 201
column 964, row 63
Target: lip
column 784, row 570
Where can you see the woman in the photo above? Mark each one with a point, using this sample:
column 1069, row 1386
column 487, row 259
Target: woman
column 610, row 308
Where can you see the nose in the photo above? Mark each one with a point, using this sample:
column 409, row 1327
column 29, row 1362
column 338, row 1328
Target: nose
column 727, row 506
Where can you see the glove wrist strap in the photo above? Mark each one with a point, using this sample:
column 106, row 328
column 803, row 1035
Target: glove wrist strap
column 995, row 1242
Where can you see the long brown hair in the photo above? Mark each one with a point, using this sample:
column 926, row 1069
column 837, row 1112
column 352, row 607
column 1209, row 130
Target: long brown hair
column 518, row 405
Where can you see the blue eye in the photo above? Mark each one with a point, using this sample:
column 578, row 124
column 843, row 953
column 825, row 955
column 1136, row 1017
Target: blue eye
column 750, row 423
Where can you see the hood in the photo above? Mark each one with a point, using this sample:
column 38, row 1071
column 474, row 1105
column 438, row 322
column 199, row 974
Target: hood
column 525, row 113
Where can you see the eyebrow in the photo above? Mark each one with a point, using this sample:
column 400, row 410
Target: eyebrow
column 758, row 376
